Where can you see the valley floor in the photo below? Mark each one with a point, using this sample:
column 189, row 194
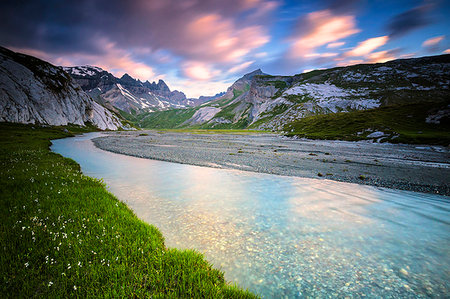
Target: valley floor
column 407, row 167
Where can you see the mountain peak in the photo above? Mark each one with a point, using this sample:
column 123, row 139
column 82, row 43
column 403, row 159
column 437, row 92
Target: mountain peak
column 126, row 77
column 253, row 73
column 163, row 86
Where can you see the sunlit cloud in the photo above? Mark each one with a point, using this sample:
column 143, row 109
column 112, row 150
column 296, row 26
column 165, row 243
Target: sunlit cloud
column 198, row 71
column 381, row 56
column 195, row 88
column 433, row 41
column 446, row 51
column 320, row 28
column 261, row 54
column 211, row 41
column 335, row 45
column 215, row 39
column 116, row 61
column 365, row 47
column 350, row 62
column 315, row 55
column 241, row 67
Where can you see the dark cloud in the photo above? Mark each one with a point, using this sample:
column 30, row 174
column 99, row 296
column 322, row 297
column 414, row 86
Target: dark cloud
column 409, row 20
column 83, row 26
column 46, row 25
column 344, row 6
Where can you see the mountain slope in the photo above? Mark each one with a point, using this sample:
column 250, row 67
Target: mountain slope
column 262, row 101
column 125, row 93
column 419, row 123
column 34, row 91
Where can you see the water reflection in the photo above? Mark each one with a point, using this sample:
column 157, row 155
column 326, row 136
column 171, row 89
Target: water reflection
column 284, row 236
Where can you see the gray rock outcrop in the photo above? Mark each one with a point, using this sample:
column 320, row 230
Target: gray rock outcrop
column 33, row 91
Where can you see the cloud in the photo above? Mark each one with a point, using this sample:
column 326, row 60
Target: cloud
column 211, row 38
column 342, row 6
column 335, row 45
column 198, row 71
column 218, row 32
column 114, row 60
column 383, row 56
column 241, row 67
column 410, row 20
column 320, row 28
column 446, row 51
column 433, row 41
column 261, row 54
column 367, row 46
column 350, row 62
column 194, row 88
column 371, row 57
column 327, row 54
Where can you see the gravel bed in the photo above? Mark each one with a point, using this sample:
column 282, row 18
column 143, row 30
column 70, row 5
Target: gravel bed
column 398, row 166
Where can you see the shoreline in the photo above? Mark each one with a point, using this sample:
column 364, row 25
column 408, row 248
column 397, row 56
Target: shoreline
column 52, row 209
column 415, row 168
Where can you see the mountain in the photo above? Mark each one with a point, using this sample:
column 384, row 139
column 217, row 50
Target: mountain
column 203, row 99
column 262, row 101
column 126, row 93
column 34, row 91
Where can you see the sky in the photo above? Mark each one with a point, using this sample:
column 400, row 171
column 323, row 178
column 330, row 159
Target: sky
column 201, row 47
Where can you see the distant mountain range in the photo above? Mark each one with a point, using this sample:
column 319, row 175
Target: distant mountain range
column 128, row 94
column 262, row 101
column 33, row 91
column 402, row 98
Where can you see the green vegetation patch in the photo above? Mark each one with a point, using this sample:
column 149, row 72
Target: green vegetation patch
column 401, row 124
column 219, row 131
column 168, row 119
column 228, row 111
column 278, row 84
column 63, row 235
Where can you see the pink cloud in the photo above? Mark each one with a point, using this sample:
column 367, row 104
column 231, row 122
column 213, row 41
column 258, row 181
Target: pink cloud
column 320, row 28
column 381, row 56
column 196, row 88
column 212, row 38
column 350, row 62
column 335, row 45
column 315, row 55
column 367, row 46
column 114, row 60
column 198, row 71
column 241, row 67
column 446, row 51
column 433, row 41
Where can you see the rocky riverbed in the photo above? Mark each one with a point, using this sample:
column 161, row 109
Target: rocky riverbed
column 407, row 167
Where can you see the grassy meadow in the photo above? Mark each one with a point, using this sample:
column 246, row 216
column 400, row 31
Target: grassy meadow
column 63, row 235
column 400, row 123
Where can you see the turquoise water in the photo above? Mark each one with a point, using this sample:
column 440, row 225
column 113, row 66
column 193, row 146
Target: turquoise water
column 285, row 236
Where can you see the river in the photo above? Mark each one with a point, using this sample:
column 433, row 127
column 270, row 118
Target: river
column 285, row 236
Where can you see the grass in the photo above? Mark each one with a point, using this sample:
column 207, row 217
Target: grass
column 401, row 124
column 216, row 131
column 168, row 119
column 63, row 235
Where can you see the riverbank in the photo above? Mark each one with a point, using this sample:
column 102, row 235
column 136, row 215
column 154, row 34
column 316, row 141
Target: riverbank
column 64, row 235
column 398, row 166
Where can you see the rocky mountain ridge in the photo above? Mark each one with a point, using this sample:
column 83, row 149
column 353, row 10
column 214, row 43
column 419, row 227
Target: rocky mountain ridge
column 33, row 91
column 262, row 101
column 126, row 93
